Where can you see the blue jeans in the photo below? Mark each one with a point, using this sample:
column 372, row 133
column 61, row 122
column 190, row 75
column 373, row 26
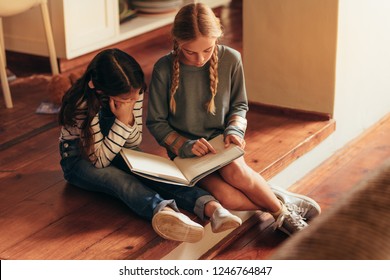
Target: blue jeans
column 144, row 197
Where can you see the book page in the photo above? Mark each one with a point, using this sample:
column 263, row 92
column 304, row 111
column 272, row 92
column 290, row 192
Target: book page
column 193, row 167
column 156, row 166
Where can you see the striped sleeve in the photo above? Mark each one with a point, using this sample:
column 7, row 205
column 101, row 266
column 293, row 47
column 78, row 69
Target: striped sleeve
column 135, row 137
column 106, row 148
column 120, row 135
column 236, row 125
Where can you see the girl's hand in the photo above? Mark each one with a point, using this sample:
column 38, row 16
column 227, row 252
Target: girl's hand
column 231, row 138
column 123, row 110
column 202, row 147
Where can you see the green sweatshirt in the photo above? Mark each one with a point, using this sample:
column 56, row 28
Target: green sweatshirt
column 191, row 120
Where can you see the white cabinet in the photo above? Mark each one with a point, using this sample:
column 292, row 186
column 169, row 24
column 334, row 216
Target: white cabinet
column 85, row 31
column 80, row 27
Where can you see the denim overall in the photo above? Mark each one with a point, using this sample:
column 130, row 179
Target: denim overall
column 143, row 196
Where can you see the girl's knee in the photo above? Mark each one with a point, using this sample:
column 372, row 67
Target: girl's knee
column 237, row 172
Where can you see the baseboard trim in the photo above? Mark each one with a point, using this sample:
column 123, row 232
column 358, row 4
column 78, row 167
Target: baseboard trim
column 296, row 113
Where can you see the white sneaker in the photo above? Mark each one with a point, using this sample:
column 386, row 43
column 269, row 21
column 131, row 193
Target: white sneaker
column 289, row 221
column 223, row 220
column 303, row 205
column 176, row 226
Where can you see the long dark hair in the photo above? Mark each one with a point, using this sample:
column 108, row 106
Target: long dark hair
column 112, row 72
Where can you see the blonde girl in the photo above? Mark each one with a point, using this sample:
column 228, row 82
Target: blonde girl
column 197, row 92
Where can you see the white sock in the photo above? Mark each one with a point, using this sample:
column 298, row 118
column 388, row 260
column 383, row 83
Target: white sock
column 222, row 220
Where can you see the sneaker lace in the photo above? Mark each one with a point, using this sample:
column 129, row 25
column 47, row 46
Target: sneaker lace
column 292, row 217
column 291, row 207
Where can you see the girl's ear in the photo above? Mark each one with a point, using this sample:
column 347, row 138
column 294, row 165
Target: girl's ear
column 90, row 84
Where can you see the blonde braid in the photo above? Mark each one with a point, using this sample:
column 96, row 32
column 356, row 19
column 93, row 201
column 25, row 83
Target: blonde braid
column 213, row 80
column 175, row 77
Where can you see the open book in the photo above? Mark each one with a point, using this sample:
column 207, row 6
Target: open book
column 181, row 171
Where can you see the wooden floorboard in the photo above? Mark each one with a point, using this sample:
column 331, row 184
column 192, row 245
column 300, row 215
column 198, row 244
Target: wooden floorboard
column 326, row 184
column 286, row 138
column 21, row 121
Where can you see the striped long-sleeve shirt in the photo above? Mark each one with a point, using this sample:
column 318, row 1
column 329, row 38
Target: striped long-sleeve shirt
column 107, row 147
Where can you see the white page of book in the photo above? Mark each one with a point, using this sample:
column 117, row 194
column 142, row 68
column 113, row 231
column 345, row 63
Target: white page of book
column 155, row 165
column 192, row 167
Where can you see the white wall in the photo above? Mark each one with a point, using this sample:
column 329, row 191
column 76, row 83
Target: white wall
column 363, row 65
column 289, row 53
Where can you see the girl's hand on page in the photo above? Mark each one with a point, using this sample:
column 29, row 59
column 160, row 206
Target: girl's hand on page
column 231, row 138
column 202, row 147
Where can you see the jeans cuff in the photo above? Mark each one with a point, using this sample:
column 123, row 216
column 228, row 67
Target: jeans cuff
column 171, row 203
column 200, row 204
